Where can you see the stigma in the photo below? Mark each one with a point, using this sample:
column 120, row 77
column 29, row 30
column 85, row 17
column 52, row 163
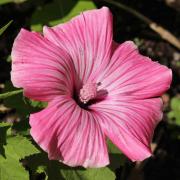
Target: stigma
column 88, row 92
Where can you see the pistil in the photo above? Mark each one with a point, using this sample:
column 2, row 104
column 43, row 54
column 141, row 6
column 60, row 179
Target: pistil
column 88, row 92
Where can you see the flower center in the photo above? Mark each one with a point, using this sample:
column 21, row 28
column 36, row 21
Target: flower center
column 88, row 92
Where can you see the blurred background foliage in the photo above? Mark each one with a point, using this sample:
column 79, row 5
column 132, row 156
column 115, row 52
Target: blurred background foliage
column 21, row 159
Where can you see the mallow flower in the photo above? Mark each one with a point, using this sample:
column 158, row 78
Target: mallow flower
column 95, row 89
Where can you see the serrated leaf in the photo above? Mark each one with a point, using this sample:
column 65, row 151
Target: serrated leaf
column 57, row 170
column 17, row 148
column 20, row 147
column 10, row 169
column 39, row 163
column 89, row 174
column 59, row 11
column 5, row 27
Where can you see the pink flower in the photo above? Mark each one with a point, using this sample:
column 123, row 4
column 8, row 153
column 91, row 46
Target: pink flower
column 94, row 87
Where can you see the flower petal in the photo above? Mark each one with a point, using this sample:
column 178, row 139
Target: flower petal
column 130, row 74
column 88, row 39
column 69, row 134
column 130, row 124
column 40, row 67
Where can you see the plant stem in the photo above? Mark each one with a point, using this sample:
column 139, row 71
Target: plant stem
column 165, row 34
column 11, row 93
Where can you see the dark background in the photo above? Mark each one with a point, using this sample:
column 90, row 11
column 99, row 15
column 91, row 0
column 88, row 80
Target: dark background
column 166, row 162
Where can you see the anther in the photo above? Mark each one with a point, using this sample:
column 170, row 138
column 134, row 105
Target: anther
column 88, row 92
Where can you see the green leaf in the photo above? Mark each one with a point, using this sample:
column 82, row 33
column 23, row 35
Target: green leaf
column 37, row 104
column 174, row 114
column 11, row 169
column 3, row 129
column 5, row 27
column 17, row 148
column 16, row 100
column 20, row 147
column 39, row 163
column 116, row 157
column 57, row 170
column 112, row 148
column 4, row 124
column 59, row 11
column 89, row 174
column 23, row 108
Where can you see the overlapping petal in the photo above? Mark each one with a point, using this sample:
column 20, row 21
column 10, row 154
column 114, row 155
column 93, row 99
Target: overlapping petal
column 131, row 75
column 130, row 112
column 69, row 134
column 53, row 68
column 88, row 39
column 130, row 125
column 41, row 68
